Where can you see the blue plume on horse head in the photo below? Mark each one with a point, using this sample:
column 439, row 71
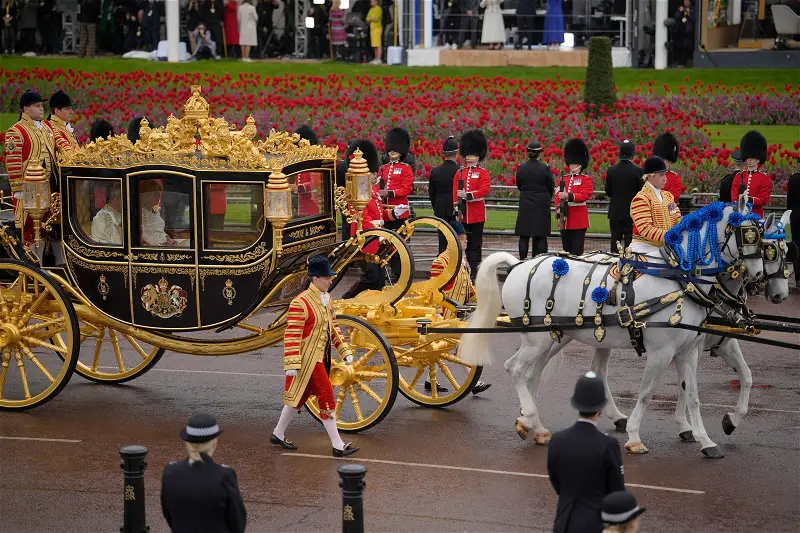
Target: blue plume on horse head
column 697, row 244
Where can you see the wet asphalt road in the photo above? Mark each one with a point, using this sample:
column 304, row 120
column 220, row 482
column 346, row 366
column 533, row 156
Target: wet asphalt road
column 499, row 484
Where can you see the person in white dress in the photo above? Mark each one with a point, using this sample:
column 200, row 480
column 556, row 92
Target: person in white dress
column 107, row 223
column 152, row 224
column 248, row 28
column 493, row 32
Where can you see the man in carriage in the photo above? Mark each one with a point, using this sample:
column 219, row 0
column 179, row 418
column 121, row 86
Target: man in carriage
column 653, row 209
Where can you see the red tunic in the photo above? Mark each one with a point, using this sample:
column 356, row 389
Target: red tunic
column 308, row 185
column 758, row 186
column 398, row 180
column 674, row 185
column 476, row 183
column 580, row 188
column 217, row 199
column 374, row 216
column 231, row 23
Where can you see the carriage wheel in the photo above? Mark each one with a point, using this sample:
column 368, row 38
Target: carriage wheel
column 365, row 390
column 424, row 368
column 33, row 307
column 109, row 356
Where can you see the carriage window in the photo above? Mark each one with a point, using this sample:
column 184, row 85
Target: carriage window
column 234, row 214
column 165, row 211
column 97, row 208
column 309, row 196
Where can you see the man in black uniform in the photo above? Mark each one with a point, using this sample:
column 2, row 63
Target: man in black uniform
column 623, row 181
column 440, row 186
column 197, row 494
column 584, row 464
column 727, row 181
column 536, row 186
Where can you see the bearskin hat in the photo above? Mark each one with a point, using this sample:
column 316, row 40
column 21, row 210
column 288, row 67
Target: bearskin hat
column 308, row 134
column 101, row 129
column 473, row 142
column 753, row 145
column 370, row 153
column 576, row 153
column 398, row 140
column 666, row 147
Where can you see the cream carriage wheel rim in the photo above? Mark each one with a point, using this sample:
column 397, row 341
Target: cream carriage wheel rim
column 439, row 367
column 32, row 307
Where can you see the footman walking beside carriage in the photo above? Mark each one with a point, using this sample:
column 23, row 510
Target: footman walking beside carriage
column 577, row 190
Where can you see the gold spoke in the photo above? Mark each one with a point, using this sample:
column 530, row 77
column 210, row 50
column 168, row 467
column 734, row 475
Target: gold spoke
column 136, row 346
column 98, row 346
column 22, row 375
column 446, row 371
column 46, row 324
column 432, row 379
column 454, row 359
column 4, row 369
column 416, row 378
column 356, row 404
column 371, row 393
column 364, row 358
column 30, row 355
column 367, row 374
column 46, row 345
column 32, row 309
column 115, row 343
column 339, row 402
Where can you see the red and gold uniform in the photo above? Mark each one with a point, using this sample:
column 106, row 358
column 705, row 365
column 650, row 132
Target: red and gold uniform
column 62, row 134
column 476, row 183
column 674, row 185
column 758, row 186
column 311, row 330
column 460, row 290
column 580, row 189
column 308, row 188
column 398, row 181
column 653, row 217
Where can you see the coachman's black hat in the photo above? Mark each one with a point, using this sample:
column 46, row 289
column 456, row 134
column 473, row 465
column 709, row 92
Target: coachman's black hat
column 308, row 134
column 620, row 507
column 666, row 147
column 654, row 164
column 753, row 145
column 590, row 394
column 60, row 99
column 320, row 267
column 450, row 145
column 202, row 427
column 576, row 153
column 29, row 97
column 368, row 151
column 474, row 143
column 398, row 140
column 627, row 149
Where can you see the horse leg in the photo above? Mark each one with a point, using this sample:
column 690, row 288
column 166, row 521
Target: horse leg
column 684, row 427
column 731, row 353
column 600, row 367
column 657, row 362
column 686, row 362
column 525, row 368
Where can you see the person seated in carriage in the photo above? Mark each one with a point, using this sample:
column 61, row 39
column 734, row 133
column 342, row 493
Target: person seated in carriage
column 653, row 209
column 152, row 225
column 107, row 223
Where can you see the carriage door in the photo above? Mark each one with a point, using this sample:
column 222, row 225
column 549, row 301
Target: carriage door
column 163, row 249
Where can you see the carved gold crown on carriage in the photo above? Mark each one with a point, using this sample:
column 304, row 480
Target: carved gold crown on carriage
column 198, row 141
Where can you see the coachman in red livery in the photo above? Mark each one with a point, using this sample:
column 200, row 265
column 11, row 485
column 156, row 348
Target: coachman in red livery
column 578, row 189
column 752, row 180
column 667, row 148
column 471, row 184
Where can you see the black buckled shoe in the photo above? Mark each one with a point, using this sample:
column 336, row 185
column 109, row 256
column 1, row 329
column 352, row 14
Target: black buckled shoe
column 439, row 388
column 349, row 449
column 286, row 444
column 480, row 386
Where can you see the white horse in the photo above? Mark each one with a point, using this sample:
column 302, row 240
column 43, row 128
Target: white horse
column 662, row 344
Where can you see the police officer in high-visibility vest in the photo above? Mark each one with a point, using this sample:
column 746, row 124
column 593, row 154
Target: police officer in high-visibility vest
column 471, row 184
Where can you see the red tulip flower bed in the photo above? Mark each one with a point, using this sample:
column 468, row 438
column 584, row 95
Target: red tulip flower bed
column 509, row 111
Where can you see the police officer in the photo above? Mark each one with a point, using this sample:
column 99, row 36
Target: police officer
column 197, row 494
column 584, row 464
column 536, row 186
column 727, row 181
column 621, row 512
column 623, row 181
column 440, row 185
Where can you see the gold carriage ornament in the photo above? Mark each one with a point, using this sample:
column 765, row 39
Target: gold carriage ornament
column 358, row 185
column 35, row 197
column 278, row 198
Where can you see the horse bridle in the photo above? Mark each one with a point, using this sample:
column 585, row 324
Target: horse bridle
column 772, row 252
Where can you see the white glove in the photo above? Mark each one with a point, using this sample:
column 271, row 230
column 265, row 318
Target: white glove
column 400, row 210
column 349, row 359
column 291, row 373
column 461, row 194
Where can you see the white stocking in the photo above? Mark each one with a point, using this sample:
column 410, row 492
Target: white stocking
column 333, row 433
column 287, row 415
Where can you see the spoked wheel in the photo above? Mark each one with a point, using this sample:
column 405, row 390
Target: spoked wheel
column 431, row 373
column 109, row 356
column 366, row 389
column 33, row 307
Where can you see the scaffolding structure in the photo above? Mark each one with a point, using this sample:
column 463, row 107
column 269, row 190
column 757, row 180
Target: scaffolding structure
column 300, row 30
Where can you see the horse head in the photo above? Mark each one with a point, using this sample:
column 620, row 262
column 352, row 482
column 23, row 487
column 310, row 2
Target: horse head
column 776, row 253
column 742, row 243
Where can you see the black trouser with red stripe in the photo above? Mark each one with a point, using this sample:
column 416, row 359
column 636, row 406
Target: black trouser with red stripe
column 572, row 240
column 474, row 250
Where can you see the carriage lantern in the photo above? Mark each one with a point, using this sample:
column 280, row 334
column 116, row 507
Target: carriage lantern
column 359, row 185
column 279, row 202
column 36, row 196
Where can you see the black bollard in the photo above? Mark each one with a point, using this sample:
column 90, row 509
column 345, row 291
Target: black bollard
column 352, row 484
column 132, row 462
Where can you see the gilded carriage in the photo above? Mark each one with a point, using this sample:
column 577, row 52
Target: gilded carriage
column 194, row 240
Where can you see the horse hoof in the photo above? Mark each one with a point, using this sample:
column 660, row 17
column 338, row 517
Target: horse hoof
column 686, row 436
column 522, row 431
column 727, row 424
column 713, row 452
column 621, row 425
column 637, row 448
column 542, row 438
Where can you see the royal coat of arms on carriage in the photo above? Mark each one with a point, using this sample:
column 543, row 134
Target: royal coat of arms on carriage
column 163, row 300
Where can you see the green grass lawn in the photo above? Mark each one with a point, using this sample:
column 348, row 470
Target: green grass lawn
column 731, row 134
column 627, row 79
column 505, row 220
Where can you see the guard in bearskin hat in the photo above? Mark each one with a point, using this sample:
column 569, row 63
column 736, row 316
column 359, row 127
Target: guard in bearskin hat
column 29, row 140
column 793, row 203
column 667, row 148
column 308, row 186
column 576, row 189
column 396, row 182
column 751, row 179
column 61, row 114
column 623, row 181
column 310, row 331
column 536, row 186
column 583, row 463
column 198, row 494
column 471, row 185
column 727, row 181
column 440, row 185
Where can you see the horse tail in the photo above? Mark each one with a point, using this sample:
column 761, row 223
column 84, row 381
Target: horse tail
column 475, row 348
